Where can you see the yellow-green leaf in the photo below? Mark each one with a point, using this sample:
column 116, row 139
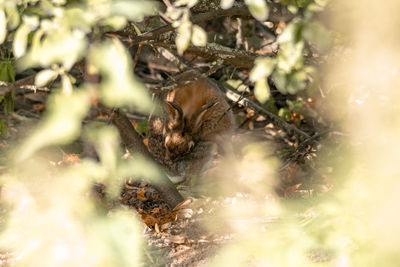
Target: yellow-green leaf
column 225, row 4
column 3, row 26
column 66, row 84
column 199, row 36
column 13, row 18
column 3, row 127
column 133, row 10
column 61, row 125
column 188, row 3
column 182, row 39
column 118, row 86
column 21, row 40
column 258, row 8
column 63, row 47
column 261, row 90
column 45, row 76
column 263, row 68
column 21, row 36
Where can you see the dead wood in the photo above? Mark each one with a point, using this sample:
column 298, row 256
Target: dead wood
column 132, row 140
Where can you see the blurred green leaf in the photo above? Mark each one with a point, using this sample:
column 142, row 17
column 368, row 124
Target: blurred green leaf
column 262, row 69
column 59, row 2
column 182, row 39
column 133, row 9
column 3, row 127
column 71, row 18
column 29, row 24
column 295, row 105
column 258, row 8
column 297, row 82
column 280, row 80
column 3, row 26
column 225, row 4
column 106, row 140
column 261, row 90
column 45, row 76
column 7, row 74
column 63, row 47
column 284, row 113
column 66, row 84
column 291, row 54
column 175, row 14
column 270, row 106
column 118, row 238
column 36, row 38
column 7, row 71
column 238, row 85
column 62, row 122
column 8, row 103
column 188, row 3
column 21, row 41
column 199, row 36
column 299, row 3
column 118, row 86
column 116, row 22
column 317, row 34
column 13, row 17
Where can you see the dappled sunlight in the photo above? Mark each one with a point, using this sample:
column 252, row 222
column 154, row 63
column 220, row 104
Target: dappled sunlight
column 53, row 220
column 311, row 177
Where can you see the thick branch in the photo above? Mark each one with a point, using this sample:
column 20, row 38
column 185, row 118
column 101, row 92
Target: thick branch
column 213, row 51
column 129, row 137
column 132, row 140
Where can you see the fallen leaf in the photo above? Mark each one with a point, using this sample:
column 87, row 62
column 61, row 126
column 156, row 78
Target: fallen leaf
column 71, row 158
column 39, row 107
column 140, row 195
column 291, row 189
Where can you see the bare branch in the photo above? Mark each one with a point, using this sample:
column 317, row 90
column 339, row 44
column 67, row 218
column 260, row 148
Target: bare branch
column 274, row 118
column 132, row 140
column 276, row 14
column 25, row 83
column 213, row 51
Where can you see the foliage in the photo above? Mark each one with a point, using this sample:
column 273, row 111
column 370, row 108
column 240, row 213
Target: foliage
column 55, row 35
column 51, row 220
column 7, row 75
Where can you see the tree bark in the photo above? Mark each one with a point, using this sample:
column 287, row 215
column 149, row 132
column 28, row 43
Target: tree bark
column 132, row 140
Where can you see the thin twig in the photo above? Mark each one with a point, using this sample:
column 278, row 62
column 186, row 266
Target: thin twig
column 25, row 83
column 274, row 118
column 135, row 60
column 275, row 15
column 213, row 51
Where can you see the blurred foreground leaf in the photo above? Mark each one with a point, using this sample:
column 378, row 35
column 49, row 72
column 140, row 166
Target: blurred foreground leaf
column 317, row 34
column 118, row 86
column 62, row 122
column 7, row 74
column 3, row 26
column 3, row 127
column 52, row 221
column 258, row 8
column 182, row 39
